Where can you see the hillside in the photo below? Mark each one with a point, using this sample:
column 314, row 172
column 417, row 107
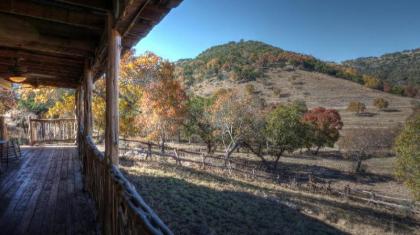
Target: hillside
column 248, row 60
column 286, row 77
column 316, row 89
column 396, row 68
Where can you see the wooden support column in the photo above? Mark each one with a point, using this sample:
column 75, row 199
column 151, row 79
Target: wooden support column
column 3, row 129
column 80, row 107
column 88, row 85
column 112, row 89
column 80, row 118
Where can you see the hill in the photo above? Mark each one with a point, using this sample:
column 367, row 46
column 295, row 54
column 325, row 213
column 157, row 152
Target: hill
column 249, row 60
column 402, row 68
column 278, row 76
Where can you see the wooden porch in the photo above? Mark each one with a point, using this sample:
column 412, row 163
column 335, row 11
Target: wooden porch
column 71, row 44
column 42, row 193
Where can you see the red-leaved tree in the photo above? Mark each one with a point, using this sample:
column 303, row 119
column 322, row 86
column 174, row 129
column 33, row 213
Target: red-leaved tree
column 324, row 126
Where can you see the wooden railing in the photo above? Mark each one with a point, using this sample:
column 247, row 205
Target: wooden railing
column 52, row 130
column 120, row 208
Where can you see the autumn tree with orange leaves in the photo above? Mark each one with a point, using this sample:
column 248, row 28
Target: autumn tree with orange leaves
column 163, row 105
column 7, row 100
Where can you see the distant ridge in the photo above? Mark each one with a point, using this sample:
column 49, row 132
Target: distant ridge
column 402, row 68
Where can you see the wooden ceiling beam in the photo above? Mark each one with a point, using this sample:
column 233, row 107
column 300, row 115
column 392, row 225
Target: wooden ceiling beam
column 53, row 14
column 63, row 84
column 20, row 34
column 9, row 54
column 93, row 6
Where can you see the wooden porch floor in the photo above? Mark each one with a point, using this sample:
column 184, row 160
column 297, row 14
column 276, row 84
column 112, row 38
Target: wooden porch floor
column 42, row 194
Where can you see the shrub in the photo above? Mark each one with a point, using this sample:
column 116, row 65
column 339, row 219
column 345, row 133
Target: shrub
column 372, row 82
column 356, row 106
column 380, row 103
column 397, row 90
column 410, row 91
column 277, row 92
column 250, row 89
column 387, row 87
column 407, row 148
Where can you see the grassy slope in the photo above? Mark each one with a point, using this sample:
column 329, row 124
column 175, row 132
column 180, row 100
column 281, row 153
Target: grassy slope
column 319, row 90
column 204, row 201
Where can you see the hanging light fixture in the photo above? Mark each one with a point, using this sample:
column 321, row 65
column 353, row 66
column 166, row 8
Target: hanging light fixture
column 17, row 73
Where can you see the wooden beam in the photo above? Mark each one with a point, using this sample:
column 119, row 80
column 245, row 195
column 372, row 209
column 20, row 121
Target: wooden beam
column 16, row 33
column 9, row 54
column 99, row 6
column 112, row 89
column 57, row 14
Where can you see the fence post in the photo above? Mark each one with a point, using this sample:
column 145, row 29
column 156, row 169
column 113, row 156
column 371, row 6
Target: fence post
column 31, row 132
column 149, row 150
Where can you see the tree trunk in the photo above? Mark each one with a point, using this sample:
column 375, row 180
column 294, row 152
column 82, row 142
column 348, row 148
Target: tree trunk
column 229, row 152
column 317, row 150
column 162, row 145
column 209, row 147
column 359, row 164
column 278, row 155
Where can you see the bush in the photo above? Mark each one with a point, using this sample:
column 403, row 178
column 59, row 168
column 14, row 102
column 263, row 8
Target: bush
column 372, row 82
column 250, row 89
column 277, row 92
column 410, row 91
column 407, row 148
column 356, row 106
column 397, row 90
column 380, row 103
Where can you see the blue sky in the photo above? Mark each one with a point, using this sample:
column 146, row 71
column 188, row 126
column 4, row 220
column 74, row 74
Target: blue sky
column 333, row 30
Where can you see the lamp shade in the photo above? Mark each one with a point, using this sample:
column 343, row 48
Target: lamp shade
column 17, row 78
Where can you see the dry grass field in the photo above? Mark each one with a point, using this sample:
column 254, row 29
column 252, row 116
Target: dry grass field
column 193, row 200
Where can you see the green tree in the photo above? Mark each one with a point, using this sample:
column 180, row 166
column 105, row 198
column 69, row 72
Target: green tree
column 198, row 121
column 407, row 148
column 284, row 130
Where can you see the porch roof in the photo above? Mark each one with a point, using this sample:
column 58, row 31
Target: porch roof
column 54, row 39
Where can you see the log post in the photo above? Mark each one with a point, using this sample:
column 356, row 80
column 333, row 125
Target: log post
column 3, row 129
column 88, row 84
column 87, row 122
column 80, row 118
column 112, row 92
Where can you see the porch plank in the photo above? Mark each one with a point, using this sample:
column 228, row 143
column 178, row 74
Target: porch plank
column 44, row 195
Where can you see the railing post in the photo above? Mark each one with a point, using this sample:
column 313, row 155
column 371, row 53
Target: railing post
column 30, row 130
